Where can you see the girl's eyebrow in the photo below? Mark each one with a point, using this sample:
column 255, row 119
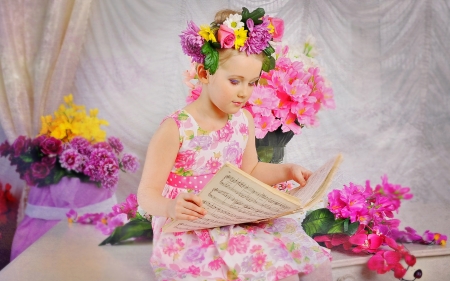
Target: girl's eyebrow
column 242, row 77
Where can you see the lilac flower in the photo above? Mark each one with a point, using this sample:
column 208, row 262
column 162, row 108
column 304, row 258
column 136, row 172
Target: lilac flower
column 82, row 145
column 192, row 42
column 258, row 37
column 116, row 144
column 110, row 182
column 103, row 145
column 130, row 163
column 70, row 159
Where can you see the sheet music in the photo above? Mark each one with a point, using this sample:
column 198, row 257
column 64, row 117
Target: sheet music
column 232, row 200
column 312, row 189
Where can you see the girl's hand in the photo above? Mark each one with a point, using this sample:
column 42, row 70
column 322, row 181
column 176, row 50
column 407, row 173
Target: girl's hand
column 187, row 206
column 300, row 174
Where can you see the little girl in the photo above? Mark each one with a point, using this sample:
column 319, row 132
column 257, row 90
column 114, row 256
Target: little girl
column 198, row 140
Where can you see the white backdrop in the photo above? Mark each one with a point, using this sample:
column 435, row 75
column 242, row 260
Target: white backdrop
column 388, row 62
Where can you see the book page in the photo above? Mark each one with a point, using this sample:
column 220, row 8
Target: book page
column 317, row 183
column 233, row 197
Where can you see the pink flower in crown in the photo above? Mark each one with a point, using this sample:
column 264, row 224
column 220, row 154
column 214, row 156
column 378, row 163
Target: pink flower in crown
column 258, row 37
column 231, row 152
column 278, row 31
column 238, row 244
column 226, row 36
column 224, row 134
column 185, row 159
column 259, row 260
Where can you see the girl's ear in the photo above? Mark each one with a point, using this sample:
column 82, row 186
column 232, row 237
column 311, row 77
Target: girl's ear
column 202, row 74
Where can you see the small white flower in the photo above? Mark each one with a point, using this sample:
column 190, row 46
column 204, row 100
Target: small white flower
column 234, row 22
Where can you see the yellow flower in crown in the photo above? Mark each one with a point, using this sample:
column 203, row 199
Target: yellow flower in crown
column 207, row 33
column 241, row 36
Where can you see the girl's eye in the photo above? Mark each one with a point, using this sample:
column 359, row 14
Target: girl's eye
column 234, row 82
column 253, row 83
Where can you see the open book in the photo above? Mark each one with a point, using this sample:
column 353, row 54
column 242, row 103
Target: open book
column 233, row 197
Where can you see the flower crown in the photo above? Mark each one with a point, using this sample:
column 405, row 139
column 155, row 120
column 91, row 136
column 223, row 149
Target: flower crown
column 249, row 32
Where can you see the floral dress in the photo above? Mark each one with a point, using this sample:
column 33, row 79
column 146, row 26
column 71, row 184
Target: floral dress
column 265, row 251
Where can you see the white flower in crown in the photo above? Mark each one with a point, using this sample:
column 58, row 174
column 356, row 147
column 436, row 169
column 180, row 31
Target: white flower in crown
column 234, row 22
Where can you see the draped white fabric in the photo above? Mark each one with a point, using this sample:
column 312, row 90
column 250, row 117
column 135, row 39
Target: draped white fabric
column 40, row 46
column 387, row 60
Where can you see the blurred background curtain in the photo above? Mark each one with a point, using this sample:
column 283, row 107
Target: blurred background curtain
column 40, row 46
column 388, row 62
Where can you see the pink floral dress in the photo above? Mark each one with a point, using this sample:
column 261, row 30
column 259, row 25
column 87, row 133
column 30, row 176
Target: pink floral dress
column 266, row 251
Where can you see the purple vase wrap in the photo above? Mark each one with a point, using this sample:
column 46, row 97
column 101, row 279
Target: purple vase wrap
column 68, row 193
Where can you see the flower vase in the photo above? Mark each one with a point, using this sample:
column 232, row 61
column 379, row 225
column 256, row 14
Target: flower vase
column 48, row 205
column 271, row 148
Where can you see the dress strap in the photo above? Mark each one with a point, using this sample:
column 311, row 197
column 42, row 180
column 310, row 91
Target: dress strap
column 189, row 182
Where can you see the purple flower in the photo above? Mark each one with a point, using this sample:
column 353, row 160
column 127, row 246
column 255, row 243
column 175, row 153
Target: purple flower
column 202, row 142
column 82, row 145
column 232, row 152
column 130, row 163
column 5, row 149
column 258, row 37
column 110, row 182
column 116, row 144
column 39, row 170
column 194, row 255
column 19, row 145
column 103, row 145
column 192, row 42
column 128, row 207
column 70, row 159
column 38, row 140
column 51, row 146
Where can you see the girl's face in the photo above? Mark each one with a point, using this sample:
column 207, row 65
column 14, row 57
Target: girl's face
column 232, row 84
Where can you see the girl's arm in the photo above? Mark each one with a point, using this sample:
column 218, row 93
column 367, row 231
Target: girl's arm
column 267, row 172
column 161, row 154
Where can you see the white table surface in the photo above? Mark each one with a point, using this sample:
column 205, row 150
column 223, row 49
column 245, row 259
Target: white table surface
column 71, row 252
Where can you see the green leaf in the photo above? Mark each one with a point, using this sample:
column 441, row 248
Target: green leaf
column 268, row 63
column 211, row 57
column 343, row 226
column 134, row 228
column 269, row 50
column 26, row 158
column 256, row 15
column 318, row 222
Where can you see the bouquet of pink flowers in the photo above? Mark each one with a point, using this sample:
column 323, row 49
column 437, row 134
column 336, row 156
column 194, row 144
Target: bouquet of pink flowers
column 361, row 219
column 287, row 97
